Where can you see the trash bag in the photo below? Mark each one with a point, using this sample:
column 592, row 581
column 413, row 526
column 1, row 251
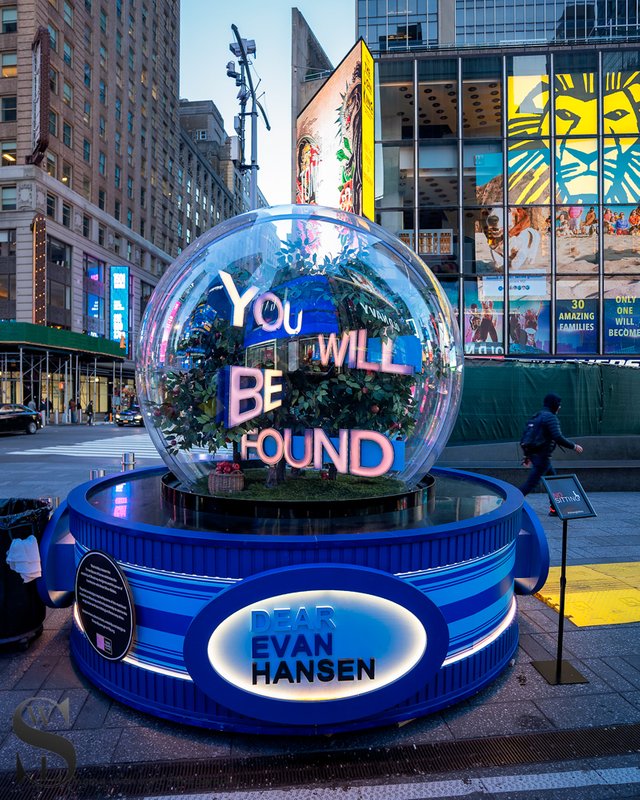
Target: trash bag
column 22, row 612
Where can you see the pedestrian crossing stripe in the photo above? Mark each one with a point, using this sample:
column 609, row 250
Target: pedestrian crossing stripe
column 140, row 444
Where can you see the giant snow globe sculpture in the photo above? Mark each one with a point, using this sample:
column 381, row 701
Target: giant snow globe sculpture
column 314, row 343
column 305, row 337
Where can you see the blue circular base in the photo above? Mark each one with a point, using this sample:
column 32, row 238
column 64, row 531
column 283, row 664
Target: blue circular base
column 464, row 570
column 181, row 701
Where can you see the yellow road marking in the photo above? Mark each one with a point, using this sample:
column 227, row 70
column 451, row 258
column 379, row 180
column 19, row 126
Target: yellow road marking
column 596, row 594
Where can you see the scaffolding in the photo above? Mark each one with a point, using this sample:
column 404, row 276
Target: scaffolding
column 59, row 381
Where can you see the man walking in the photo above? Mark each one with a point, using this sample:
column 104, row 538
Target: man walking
column 550, row 435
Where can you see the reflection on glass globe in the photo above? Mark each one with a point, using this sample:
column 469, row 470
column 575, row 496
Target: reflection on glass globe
column 305, row 334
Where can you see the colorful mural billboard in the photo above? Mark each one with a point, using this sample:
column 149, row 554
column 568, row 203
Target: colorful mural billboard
column 335, row 139
column 576, row 149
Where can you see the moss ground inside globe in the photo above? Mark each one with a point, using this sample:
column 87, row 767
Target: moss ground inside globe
column 311, row 486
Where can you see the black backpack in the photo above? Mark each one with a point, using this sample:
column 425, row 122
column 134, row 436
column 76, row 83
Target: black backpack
column 533, row 438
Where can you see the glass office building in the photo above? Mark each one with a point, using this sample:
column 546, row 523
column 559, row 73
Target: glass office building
column 392, row 25
column 514, row 171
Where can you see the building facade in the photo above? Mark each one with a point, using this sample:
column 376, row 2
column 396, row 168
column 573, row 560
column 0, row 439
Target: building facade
column 508, row 158
column 392, row 25
column 103, row 181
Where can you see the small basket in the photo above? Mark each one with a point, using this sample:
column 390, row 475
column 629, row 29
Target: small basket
column 226, row 482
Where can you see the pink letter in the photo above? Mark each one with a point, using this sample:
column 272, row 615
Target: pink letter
column 305, row 461
column 270, row 433
column 330, row 347
column 257, row 311
column 247, row 444
column 321, row 443
column 361, row 360
column 357, row 437
column 237, row 394
column 386, row 361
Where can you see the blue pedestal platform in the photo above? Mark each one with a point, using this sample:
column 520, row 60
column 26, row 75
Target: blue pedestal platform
column 426, row 597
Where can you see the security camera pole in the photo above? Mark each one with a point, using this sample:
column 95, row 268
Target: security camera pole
column 242, row 49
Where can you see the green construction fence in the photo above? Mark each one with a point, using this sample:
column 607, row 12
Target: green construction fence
column 499, row 396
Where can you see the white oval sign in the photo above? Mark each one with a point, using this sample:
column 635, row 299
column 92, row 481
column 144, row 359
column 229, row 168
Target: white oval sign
column 318, row 645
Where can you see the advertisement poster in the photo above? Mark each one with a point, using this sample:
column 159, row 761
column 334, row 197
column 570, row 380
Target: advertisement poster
column 529, row 315
column 577, row 238
column 483, row 318
column 621, row 225
column 527, row 238
column 576, row 326
column 335, row 139
column 488, row 178
column 119, row 306
column 576, row 106
column 450, row 288
column 622, row 324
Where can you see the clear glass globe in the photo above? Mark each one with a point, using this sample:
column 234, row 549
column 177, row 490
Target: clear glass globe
column 302, row 333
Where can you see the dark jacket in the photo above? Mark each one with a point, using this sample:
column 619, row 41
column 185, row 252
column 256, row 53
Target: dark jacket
column 550, row 425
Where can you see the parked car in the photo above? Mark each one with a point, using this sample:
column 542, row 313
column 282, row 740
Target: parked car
column 129, row 416
column 16, row 418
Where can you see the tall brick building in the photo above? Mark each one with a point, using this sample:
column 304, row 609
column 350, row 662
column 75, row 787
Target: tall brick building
column 96, row 172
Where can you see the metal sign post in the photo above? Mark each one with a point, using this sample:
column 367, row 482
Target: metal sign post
column 569, row 501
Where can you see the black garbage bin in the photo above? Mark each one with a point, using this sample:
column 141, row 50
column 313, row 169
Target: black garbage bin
column 22, row 612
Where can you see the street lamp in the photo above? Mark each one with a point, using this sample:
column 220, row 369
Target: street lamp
column 242, row 49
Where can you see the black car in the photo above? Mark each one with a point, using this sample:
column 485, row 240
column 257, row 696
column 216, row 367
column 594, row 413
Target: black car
column 129, row 416
column 16, row 418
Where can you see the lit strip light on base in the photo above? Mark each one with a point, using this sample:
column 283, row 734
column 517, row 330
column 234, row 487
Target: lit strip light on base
column 468, row 652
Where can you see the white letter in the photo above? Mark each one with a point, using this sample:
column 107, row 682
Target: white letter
column 287, row 320
column 239, row 302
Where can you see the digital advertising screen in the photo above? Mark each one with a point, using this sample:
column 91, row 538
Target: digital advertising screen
column 119, row 306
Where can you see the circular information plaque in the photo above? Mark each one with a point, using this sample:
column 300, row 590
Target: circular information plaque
column 105, row 605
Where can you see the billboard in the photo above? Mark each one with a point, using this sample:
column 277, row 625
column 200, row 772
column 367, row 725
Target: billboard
column 119, row 306
column 335, row 139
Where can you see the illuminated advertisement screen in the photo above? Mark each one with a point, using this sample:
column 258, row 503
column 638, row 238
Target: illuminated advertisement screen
column 335, row 139
column 119, row 306
column 93, row 306
column 483, row 316
column 622, row 324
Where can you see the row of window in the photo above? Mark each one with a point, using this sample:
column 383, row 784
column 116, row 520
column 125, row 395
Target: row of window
column 581, row 319
column 62, row 211
column 570, row 240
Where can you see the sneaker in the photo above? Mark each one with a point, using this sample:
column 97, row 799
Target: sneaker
column 552, row 512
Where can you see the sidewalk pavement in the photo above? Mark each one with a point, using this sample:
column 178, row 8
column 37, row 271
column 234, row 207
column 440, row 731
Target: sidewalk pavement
column 519, row 708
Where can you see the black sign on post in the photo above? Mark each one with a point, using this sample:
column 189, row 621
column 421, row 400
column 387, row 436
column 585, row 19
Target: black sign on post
column 105, row 605
column 569, row 501
column 568, row 497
